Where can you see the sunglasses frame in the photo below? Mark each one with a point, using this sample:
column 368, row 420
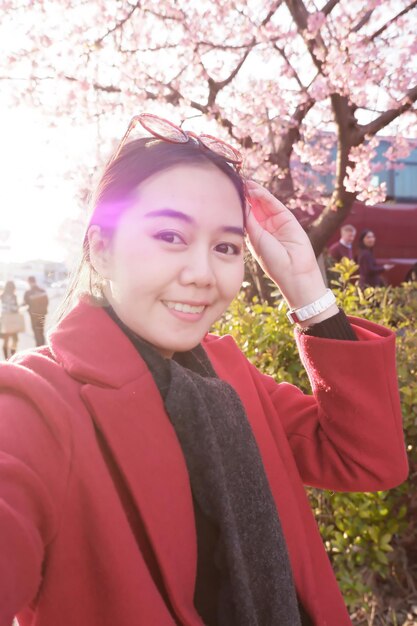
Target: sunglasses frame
column 183, row 137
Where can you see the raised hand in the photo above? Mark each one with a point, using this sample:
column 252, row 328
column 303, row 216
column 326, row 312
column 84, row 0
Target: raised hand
column 281, row 246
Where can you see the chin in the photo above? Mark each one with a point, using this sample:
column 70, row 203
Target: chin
column 177, row 346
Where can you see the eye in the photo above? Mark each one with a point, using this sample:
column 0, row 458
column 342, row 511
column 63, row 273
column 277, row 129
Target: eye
column 169, row 236
column 228, row 248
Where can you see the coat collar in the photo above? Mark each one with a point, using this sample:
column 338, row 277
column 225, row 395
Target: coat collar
column 127, row 409
column 93, row 349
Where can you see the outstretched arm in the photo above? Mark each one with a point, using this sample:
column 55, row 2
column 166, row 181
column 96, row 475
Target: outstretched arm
column 33, row 476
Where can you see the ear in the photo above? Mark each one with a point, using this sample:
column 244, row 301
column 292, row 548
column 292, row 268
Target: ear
column 100, row 251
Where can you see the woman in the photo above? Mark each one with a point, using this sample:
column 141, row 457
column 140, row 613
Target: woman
column 8, row 305
column 152, row 475
column 369, row 270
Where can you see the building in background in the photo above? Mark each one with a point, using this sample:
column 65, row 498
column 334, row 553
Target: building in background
column 400, row 176
column 45, row 272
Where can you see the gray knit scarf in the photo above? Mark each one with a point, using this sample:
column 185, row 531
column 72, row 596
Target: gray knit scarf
column 228, row 482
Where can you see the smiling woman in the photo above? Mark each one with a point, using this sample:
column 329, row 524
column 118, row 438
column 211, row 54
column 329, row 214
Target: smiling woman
column 149, row 474
column 187, row 255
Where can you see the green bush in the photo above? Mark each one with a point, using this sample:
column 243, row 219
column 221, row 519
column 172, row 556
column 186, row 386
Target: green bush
column 370, row 537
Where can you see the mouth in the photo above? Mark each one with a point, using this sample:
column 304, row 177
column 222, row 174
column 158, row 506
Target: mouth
column 182, row 307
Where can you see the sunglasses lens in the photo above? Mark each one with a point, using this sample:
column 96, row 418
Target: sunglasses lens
column 222, row 148
column 162, row 128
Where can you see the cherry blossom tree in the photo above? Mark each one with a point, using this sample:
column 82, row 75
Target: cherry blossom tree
column 303, row 87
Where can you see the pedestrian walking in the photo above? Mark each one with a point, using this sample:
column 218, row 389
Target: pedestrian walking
column 11, row 321
column 343, row 248
column 37, row 301
column 370, row 271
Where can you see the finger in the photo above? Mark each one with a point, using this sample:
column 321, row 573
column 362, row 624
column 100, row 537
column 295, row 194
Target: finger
column 254, row 231
column 263, row 201
column 281, row 224
column 259, row 207
column 258, row 237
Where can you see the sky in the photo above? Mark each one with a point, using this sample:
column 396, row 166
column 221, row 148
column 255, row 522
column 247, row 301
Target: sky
column 35, row 196
column 36, row 192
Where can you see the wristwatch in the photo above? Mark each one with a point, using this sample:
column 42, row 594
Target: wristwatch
column 310, row 310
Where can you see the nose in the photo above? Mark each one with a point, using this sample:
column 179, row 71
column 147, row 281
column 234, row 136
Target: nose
column 198, row 269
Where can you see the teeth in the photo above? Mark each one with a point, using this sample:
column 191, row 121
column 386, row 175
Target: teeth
column 185, row 308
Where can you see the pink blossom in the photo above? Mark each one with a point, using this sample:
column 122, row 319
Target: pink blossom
column 315, row 21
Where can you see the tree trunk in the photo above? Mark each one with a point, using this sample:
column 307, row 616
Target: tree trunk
column 329, row 221
column 341, row 202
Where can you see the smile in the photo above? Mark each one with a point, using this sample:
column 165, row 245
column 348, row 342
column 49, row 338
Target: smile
column 184, row 308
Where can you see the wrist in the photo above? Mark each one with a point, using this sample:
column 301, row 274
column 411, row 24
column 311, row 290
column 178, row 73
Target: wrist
column 330, row 312
column 317, row 311
column 301, row 291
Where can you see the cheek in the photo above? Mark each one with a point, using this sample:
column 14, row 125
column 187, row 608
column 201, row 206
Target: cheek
column 130, row 260
column 233, row 282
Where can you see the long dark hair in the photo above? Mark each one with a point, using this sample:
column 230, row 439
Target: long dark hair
column 138, row 160
column 362, row 236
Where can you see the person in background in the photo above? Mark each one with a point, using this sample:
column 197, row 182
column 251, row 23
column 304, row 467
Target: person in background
column 37, row 301
column 149, row 473
column 9, row 305
column 343, row 247
column 370, row 272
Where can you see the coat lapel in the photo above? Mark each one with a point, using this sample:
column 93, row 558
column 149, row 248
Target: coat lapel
column 130, row 416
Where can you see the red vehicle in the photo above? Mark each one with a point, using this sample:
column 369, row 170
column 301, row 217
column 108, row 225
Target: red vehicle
column 395, row 228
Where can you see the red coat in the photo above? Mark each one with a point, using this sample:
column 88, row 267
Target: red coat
column 69, row 554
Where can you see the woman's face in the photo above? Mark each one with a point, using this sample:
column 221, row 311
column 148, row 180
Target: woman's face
column 369, row 240
column 176, row 260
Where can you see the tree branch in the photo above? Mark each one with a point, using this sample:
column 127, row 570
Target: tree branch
column 216, row 86
column 174, row 97
column 298, row 12
column 290, row 67
column 163, row 17
column 389, row 116
column 96, row 86
column 284, row 187
column 364, row 20
column 119, row 25
column 214, row 46
column 379, row 32
column 300, row 16
column 271, row 13
column 328, row 8
column 165, row 46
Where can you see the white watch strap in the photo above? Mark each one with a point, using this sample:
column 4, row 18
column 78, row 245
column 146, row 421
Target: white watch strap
column 310, row 310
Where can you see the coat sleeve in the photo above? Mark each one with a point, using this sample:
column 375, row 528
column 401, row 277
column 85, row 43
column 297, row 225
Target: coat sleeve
column 34, row 462
column 348, row 435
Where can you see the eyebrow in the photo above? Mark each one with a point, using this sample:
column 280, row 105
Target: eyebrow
column 179, row 215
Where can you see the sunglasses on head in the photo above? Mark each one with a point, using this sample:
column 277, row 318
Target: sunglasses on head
column 167, row 131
